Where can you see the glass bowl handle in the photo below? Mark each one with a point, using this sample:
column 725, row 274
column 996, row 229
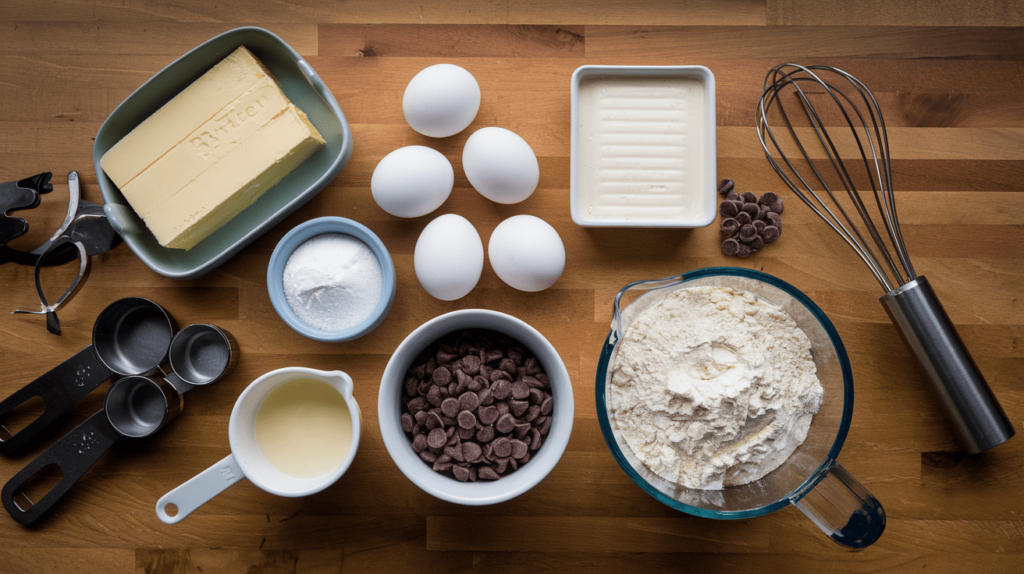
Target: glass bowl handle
column 843, row 509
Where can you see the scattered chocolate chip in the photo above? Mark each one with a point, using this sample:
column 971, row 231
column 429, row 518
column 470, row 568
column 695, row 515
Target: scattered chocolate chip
column 730, row 225
column 767, row 198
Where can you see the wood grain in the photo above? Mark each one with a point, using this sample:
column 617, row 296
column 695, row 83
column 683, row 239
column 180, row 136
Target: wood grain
column 949, row 77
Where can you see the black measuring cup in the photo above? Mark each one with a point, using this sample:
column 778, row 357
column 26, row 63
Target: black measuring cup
column 131, row 336
column 134, row 407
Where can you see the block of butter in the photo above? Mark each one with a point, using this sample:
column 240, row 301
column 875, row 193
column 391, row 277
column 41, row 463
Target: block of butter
column 211, row 151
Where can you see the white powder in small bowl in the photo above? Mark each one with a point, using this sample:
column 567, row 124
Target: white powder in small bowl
column 333, row 281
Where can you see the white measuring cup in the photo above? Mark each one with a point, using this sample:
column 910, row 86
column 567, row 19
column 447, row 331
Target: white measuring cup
column 246, row 460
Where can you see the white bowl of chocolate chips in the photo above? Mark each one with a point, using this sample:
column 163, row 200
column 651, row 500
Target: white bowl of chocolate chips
column 475, row 407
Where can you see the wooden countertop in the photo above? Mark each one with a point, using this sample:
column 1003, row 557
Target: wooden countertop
column 950, row 79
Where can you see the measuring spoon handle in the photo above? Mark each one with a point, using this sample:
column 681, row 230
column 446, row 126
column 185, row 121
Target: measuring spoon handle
column 74, row 454
column 60, row 388
column 199, row 490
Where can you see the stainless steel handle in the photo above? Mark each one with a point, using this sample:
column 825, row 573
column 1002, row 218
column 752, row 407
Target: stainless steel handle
column 971, row 407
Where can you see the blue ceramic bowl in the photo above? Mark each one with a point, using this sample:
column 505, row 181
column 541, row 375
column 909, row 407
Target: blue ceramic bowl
column 311, row 228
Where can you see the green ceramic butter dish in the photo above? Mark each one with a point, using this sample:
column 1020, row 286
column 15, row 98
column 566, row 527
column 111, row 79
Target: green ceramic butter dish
column 302, row 86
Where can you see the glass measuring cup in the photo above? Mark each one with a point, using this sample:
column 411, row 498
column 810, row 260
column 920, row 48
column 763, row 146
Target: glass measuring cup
column 810, row 479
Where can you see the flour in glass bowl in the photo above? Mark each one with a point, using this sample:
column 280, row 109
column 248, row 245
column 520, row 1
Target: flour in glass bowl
column 333, row 281
column 713, row 387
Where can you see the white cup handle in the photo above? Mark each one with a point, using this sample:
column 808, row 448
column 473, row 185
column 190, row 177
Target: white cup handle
column 199, row 490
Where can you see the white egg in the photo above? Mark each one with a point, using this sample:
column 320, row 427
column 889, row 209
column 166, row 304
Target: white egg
column 500, row 165
column 412, row 181
column 526, row 253
column 449, row 257
column 441, row 100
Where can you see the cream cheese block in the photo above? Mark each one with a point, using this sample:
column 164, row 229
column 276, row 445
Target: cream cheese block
column 211, row 151
column 227, row 81
column 240, row 177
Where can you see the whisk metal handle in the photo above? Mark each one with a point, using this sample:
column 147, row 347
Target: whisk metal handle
column 971, row 407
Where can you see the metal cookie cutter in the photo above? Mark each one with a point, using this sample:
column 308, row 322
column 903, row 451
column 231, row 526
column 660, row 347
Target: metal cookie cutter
column 84, row 232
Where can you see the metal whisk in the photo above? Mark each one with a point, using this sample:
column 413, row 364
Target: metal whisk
column 970, row 406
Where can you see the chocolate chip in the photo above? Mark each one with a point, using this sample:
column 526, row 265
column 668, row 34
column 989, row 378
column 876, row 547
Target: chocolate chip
column 546, row 405
column 501, row 389
column 519, row 448
column 531, row 365
column 532, row 413
column 505, row 424
column 744, row 218
column 767, row 198
column 502, row 447
column 536, row 396
column 730, row 247
column 419, row 442
column 518, row 407
column 770, row 233
column 428, row 456
column 535, row 440
column 434, row 422
column 488, row 415
column 545, row 427
column 471, row 364
column 461, row 473
column 520, row 390
column 471, row 451
column 730, row 226
column 467, row 420
column 728, row 208
column 450, row 407
column 436, row 438
column 417, row 404
column 434, row 396
column 485, row 434
column 726, row 186
column 487, row 473
column 749, row 197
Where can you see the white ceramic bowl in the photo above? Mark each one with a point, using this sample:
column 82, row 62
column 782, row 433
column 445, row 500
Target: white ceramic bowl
column 481, row 492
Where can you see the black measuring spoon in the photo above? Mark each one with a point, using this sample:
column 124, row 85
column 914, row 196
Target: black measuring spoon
column 134, row 407
column 131, row 336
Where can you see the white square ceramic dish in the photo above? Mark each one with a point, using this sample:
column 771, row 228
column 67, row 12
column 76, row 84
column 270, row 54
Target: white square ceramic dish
column 644, row 150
